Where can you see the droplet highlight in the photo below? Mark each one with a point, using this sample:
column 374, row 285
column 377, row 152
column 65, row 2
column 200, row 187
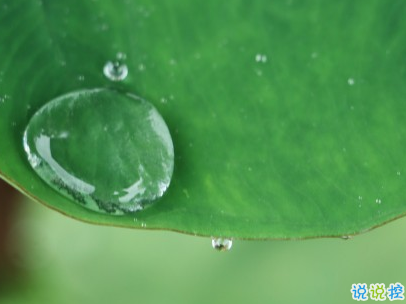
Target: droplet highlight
column 107, row 151
column 222, row 244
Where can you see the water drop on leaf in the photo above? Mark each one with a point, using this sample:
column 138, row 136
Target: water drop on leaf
column 115, row 71
column 108, row 151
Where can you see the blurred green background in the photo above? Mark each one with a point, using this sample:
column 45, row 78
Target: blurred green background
column 66, row 261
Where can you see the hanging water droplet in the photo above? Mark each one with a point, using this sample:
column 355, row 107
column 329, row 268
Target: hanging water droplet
column 346, row 237
column 117, row 70
column 107, row 151
column 221, row 244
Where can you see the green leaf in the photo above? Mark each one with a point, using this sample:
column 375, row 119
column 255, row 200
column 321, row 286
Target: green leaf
column 287, row 117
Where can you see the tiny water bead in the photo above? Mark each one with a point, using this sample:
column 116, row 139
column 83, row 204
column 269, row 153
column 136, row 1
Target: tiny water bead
column 115, row 71
column 261, row 58
column 221, row 244
column 108, row 151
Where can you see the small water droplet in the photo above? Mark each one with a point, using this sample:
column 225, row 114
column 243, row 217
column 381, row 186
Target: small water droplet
column 360, row 198
column 398, row 173
column 314, row 55
column 378, row 201
column 141, row 67
column 4, row 98
column 221, row 244
column 143, row 225
column 261, row 58
column 186, row 193
column 79, row 162
column 115, row 71
column 346, row 237
column 121, row 56
column 258, row 72
column 351, row 81
column 104, row 27
column 81, row 78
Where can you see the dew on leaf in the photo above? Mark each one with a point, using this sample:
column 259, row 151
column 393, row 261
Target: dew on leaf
column 115, row 71
column 107, row 151
column 121, row 56
column 261, row 58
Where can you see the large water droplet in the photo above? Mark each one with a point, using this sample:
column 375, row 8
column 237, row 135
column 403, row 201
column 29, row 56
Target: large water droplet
column 108, row 151
column 221, row 244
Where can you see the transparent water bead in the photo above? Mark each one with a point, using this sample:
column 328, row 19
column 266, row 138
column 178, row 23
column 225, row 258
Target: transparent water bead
column 116, row 70
column 108, row 151
column 221, row 244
